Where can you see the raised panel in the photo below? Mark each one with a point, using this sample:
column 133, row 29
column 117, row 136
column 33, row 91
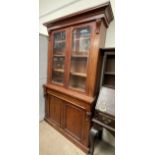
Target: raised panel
column 74, row 120
column 55, row 108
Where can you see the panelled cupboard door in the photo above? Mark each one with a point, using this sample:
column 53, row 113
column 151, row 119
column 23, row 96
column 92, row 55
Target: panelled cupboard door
column 73, row 120
column 55, row 110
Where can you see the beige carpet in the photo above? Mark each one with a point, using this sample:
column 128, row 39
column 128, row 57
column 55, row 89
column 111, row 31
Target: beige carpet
column 53, row 143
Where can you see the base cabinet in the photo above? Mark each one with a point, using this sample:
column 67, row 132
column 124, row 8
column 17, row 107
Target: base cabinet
column 69, row 118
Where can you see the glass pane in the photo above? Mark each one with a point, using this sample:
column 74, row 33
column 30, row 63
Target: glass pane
column 77, row 83
column 79, row 65
column 58, row 78
column 59, row 43
column 59, row 57
column 79, row 58
column 81, row 41
column 58, row 63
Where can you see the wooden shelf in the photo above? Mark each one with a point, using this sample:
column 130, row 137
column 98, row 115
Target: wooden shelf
column 58, row 55
column 80, row 56
column 109, row 73
column 79, row 74
column 80, row 52
column 58, row 70
column 58, row 83
column 59, row 41
column 77, row 89
column 82, row 38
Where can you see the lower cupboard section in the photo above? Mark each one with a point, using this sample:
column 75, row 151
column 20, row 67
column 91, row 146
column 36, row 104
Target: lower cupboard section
column 69, row 119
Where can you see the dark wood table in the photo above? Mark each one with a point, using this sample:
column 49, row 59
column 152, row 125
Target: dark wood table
column 100, row 121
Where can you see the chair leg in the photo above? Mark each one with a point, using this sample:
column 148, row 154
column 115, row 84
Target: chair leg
column 93, row 134
column 100, row 134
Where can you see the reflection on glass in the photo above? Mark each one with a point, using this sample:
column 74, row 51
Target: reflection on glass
column 81, row 41
column 59, row 43
column 80, row 53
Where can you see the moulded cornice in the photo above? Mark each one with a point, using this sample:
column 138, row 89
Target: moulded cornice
column 96, row 13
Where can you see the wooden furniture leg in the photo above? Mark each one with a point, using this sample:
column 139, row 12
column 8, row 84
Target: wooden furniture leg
column 99, row 134
column 93, row 134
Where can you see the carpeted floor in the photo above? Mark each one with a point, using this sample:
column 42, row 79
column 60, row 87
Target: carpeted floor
column 53, row 143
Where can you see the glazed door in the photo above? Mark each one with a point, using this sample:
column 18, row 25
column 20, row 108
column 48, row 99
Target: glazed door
column 59, row 56
column 80, row 48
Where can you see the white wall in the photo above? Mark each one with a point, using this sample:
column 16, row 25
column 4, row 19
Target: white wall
column 43, row 45
column 110, row 36
column 52, row 9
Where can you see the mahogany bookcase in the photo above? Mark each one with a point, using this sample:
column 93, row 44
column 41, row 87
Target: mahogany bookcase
column 74, row 70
